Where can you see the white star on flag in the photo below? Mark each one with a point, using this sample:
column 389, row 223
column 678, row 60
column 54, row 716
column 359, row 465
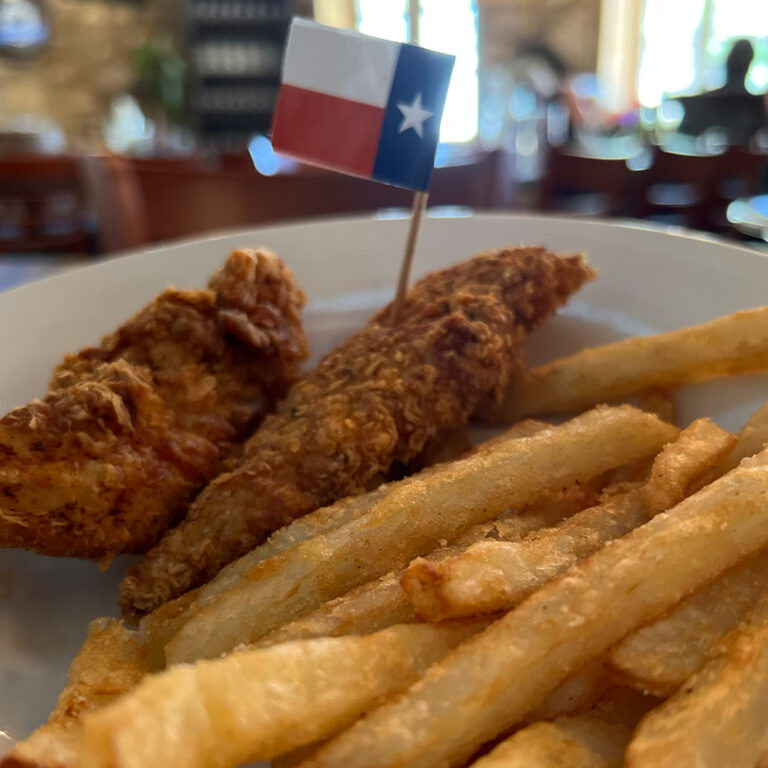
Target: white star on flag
column 414, row 116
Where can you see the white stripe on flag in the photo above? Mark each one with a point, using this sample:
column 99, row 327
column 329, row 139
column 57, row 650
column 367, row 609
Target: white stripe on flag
column 340, row 63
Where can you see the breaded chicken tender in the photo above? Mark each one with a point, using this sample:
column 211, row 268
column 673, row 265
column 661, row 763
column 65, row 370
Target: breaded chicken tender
column 131, row 430
column 378, row 397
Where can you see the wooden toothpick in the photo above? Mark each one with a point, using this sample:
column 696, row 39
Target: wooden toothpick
column 417, row 214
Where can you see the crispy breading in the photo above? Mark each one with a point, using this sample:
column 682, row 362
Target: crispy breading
column 218, row 357
column 131, row 430
column 378, row 397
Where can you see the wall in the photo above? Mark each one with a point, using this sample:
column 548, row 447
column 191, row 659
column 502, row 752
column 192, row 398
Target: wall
column 569, row 27
column 87, row 62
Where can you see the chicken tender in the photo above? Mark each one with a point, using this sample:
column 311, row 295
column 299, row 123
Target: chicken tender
column 131, row 430
column 378, row 397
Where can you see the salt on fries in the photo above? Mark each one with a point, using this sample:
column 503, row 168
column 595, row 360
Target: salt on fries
column 657, row 584
column 737, row 343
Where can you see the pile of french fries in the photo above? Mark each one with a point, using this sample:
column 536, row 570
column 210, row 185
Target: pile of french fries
column 588, row 594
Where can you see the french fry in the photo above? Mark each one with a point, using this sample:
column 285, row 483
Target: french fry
column 413, row 520
column 314, row 524
column 698, row 449
column 368, row 608
column 381, row 603
column 493, row 576
column 165, row 622
column 490, row 682
column 111, row 661
column 576, row 693
column 657, row 401
column 718, row 716
column 160, row 626
column 593, row 739
column 660, row 657
column 751, row 439
column 255, row 704
column 734, row 344
column 581, row 741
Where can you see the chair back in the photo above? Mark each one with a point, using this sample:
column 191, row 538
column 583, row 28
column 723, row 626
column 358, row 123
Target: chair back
column 45, row 206
column 584, row 184
column 190, row 198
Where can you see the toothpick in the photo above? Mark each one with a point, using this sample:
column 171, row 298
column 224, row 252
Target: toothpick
column 417, row 214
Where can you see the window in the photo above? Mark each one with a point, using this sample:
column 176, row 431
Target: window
column 685, row 43
column 445, row 25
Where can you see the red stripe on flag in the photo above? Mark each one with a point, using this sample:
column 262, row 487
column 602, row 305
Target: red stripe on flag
column 327, row 130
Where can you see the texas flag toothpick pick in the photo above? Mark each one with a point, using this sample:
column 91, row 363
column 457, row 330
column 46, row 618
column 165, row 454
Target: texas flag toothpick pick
column 364, row 106
column 361, row 105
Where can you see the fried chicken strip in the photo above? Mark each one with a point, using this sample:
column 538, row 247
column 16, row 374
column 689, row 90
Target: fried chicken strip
column 131, row 430
column 378, row 397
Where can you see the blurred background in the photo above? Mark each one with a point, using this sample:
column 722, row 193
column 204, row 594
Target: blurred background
column 125, row 122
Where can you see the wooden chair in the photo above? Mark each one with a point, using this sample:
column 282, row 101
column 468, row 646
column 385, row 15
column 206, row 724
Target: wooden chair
column 189, row 199
column 117, row 203
column 585, row 185
column 44, row 206
column 84, row 205
column 681, row 188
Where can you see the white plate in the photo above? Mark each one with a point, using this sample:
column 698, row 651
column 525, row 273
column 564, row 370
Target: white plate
column 650, row 280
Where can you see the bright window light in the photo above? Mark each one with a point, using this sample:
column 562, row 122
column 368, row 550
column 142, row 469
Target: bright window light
column 449, row 26
column 685, row 44
column 667, row 63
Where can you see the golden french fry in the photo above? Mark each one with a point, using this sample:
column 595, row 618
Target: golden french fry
column 165, row 622
column 160, row 626
column 734, row 344
column 414, row 519
column 751, row 439
column 698, row 450
column 660, row 657
column 111, row 662
column 368, row 608
column 307, row 527
column 493, row 680
column 581, row 741
column 255, row 704
column 494, row 576
column 381, row 603
column 576, row 693
column 659, row 402
column 718, row 717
